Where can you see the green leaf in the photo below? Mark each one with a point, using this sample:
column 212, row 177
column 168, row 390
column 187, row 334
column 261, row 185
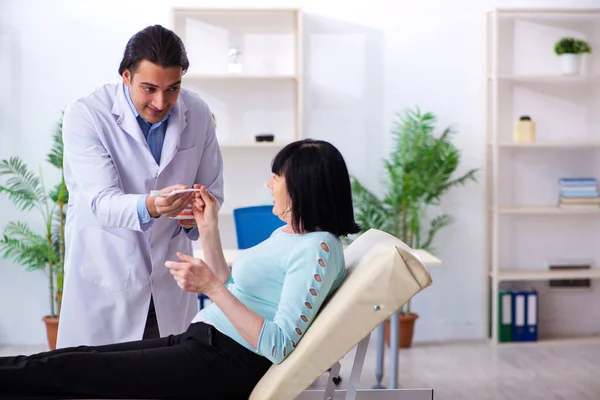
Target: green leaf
column 369, row 211
column 55, row 157
column 27, row 191
column 24, row 247
column 22, row 186
column 436, row 225
column 419, row 171
column 571, row 45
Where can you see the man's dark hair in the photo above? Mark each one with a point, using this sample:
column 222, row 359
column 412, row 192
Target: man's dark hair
column 156, row 44
column 318, row 183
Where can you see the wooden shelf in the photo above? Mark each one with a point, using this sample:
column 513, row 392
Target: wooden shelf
column 547, row 78
column 570, row 340
column 541, row 12
column 576, row 144
column 542, row 275
column 239, row 77
column 196, row 10
column 546, row 210
column 550, row 14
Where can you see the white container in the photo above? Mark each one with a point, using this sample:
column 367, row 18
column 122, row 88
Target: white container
column 524, row 130
column 571, row 64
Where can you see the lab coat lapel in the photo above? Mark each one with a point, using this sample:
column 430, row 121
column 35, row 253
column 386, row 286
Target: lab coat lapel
column 176, row 124
column 125, row 118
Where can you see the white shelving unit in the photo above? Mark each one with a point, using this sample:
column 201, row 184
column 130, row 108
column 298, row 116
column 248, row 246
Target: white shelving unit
column 264, row 97
column 526, row 229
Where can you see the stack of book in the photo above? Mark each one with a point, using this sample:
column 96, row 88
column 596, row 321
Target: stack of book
column 578, row 193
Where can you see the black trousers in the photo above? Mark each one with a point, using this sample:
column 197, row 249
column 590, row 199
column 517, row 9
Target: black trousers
column 151, row 328
column 201, row 363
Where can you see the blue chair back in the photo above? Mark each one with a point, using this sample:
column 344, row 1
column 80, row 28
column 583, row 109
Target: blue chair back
column 254, row 224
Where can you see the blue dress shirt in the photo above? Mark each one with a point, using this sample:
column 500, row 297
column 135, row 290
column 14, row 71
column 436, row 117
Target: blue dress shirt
column 155, row 136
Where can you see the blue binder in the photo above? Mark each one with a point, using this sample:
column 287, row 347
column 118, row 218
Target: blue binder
column 531, row 312
column 519, row 317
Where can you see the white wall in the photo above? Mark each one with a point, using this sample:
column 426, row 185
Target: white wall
column 400, row 54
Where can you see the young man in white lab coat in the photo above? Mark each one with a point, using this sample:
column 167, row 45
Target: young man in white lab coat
column 122, row 142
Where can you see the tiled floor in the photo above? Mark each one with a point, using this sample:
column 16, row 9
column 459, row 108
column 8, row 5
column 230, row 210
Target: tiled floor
column 568, row 370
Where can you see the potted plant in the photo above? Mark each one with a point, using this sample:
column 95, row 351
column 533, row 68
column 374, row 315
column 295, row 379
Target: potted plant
column 419, row 171
column 570, row 51
column 38, row 251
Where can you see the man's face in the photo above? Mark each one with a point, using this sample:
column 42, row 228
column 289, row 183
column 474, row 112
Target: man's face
column 154, row 89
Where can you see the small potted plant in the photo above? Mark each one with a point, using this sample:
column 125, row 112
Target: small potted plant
column 32, row 250
column 570, row 51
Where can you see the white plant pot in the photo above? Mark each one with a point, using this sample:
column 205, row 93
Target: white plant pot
column 571, row 64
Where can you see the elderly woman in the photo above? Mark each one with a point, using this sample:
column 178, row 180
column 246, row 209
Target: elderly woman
column 260, row 308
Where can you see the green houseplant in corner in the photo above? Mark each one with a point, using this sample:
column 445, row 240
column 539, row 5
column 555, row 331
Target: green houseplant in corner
column 570, row 51
column 419, row 171
column 38, row 251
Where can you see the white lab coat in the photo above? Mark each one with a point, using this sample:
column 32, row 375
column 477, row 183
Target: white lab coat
column 113, row 266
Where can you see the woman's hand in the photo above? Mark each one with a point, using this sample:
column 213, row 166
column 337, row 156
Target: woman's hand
column 205, row 210
column 193, row 275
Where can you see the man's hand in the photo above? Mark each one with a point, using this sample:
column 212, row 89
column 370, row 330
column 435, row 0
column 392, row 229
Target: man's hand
column 169, row 206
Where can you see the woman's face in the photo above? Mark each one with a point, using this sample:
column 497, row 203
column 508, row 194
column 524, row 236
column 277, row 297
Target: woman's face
column 281, row 198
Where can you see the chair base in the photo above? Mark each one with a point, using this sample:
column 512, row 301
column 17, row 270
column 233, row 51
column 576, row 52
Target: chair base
column 371, row 394
column 351, row 393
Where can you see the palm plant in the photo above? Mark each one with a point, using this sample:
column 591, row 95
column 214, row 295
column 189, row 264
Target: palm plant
column 418, row 172
column 22, row 245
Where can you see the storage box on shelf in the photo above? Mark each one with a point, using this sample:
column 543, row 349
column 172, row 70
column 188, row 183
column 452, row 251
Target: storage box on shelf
column 528, row 169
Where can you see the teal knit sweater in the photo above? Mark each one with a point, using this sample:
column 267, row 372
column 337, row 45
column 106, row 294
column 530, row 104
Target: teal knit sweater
column 284, row 279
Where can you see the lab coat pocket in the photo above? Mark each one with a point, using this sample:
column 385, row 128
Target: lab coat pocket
column 108, row 259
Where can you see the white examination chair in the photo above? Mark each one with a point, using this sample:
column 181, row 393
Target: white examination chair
column 383, row 274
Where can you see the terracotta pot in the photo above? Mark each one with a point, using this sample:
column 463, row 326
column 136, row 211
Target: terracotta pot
column 407, row 327
column 51, row 330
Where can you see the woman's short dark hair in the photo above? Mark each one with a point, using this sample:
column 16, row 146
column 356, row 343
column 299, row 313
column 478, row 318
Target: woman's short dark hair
column 156, row 44
column 318, row 183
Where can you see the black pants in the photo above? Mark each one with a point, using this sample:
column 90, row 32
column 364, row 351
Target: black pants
column 151, row 328
column 201, row 363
